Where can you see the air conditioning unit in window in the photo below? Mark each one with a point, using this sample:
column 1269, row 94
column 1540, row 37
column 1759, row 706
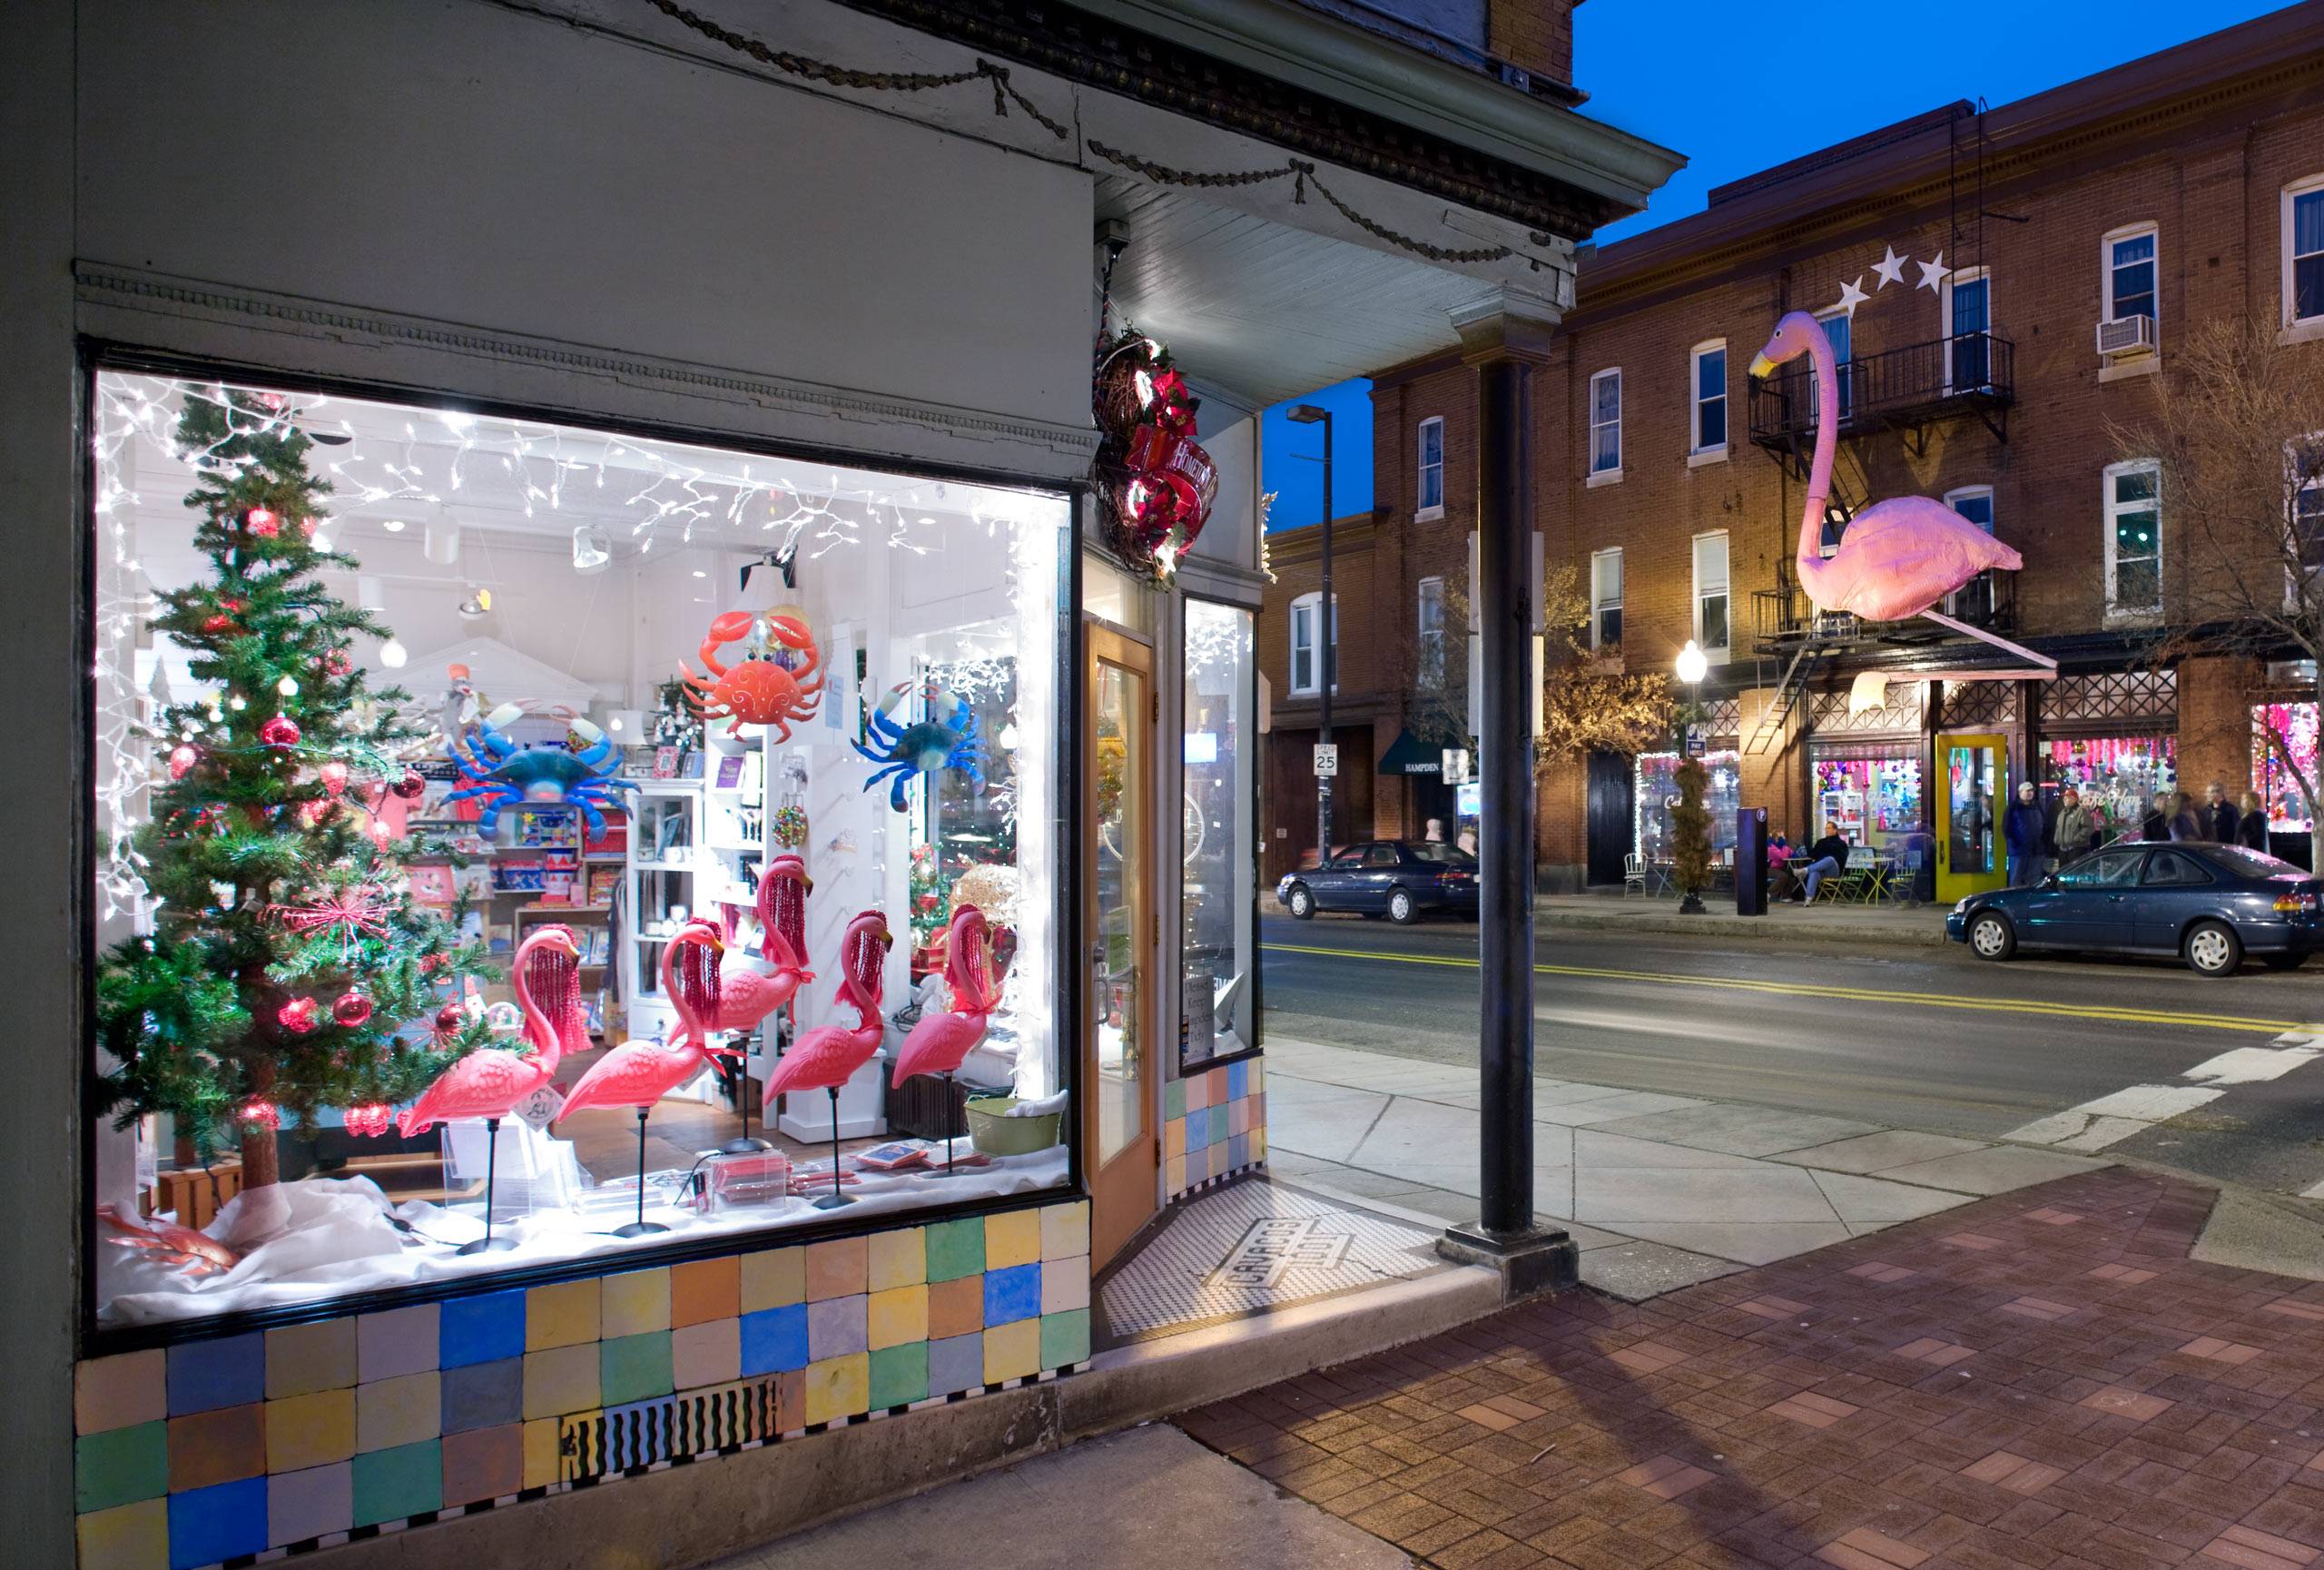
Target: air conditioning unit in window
column 2125, row 336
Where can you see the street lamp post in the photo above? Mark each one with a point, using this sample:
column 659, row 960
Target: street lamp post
column 1691, row 669
column 1328, row 633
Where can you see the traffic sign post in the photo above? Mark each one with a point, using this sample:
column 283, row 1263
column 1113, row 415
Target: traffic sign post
column 1327, row 760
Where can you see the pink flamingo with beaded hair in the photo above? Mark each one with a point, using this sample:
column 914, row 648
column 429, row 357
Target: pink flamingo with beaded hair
column 940, row 1043
column 490, row 1082
column 640, row 1073
column 826, row 1057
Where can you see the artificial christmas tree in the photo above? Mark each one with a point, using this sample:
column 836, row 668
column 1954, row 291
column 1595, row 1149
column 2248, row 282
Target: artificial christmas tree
column 286, row 954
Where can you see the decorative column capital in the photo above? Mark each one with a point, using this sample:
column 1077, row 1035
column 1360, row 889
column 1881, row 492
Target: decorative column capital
column 1507, row 322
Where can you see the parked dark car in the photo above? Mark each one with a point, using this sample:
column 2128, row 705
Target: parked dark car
column 1401, row 879
column 2209, row 904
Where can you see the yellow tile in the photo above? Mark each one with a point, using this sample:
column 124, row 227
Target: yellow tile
column 121, row 1391
column 133, row 1537
column 632, row 1303
column 1065, row 1231
column 774, row 1279
column 315, row 1430
column 1259, row 1143
column 1255, row 1077
column 899, row 1259
column 1174, row 1131
column 838, row 1268
column 839, row 1387
column 1012, row 1351
column 564, row 1315
column 540, row 1452
column 1174, row 1173
column 560, row 1381
column 899, row 1315
column 404, row 1410
column 1012, row 1238
column 300, row 1359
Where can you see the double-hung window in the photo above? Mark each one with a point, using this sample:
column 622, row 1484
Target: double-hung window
column 1428, row 501
column 1839, row 332
column 1606, row 424
column 1708, row 369
column 2133, row 538
column 2303, row 251
column 1974, row 600
column 1968, row 321
column 2304, row 501
column 1306, row 653
column 1606, row 600
column 1428, row 641
column 1710, row 594
column 2130, row 274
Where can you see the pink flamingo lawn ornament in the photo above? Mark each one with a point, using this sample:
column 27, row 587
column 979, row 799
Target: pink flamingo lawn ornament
column 488, row 1084
column 940, row 1043
column 782, row 910
column 640, row 1073
column 825, row 1058
column 747, row 996
column 1898, row 556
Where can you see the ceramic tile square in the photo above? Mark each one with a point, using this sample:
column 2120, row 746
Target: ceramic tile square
column 389, row 1485
column 899, row 1376
column 895, row 1317
column 955, row 1363
column 564, row 1315
column 899, row 1259
column 1065, row 1339
column 483, row 1464
column 208, row 1524
column 1218, row 1132
column 635, row 1368
column 482, row 1329
column 838, row 1387
column 791, row 1401
column 1011, row 1294
column 1197, row 1129
column 704, row 1290
column 1237, row 1111
column 1012, row 1238
column 836, row 1327
column 1238, row 1081
column 1174, row 1173
column 307, row 1504
column 132, row 1538
column 1065, row 1231
column 1174, row 1100
column 706, row 1354
column 398, row 1342
column 208, row 1374
column 120, row 1466
column 774, row 1279
column 1012, row 1351
column 301, row 1358
column 1255, row 1071
column 306, row 1431
column 632, row 1303
column 1238, row 1152
column 484, row 1395
column 217, row 1447
column 1065, row 1285
column 1174, row 1138
column 541, row 1441
column 774, row 1339
column 560, row 1381
column 956, row 1308
column 395, row 1412
column 955, row 1248
column 116, row 1392
column 1197, row 1093
column 838, row 1268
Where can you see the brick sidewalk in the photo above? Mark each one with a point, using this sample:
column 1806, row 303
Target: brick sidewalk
column 2041, row 1379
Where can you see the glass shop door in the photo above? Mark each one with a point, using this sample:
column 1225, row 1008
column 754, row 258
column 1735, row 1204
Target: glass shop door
column 1121, row 1130
column 1972, row 789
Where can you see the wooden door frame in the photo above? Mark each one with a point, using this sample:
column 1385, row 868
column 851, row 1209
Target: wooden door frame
column 1114, row 1181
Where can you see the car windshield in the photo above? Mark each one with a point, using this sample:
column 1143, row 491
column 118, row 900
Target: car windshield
column 1442, row 854
column 2252, row 863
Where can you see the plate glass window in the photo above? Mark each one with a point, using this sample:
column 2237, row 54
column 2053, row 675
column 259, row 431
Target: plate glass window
column 1710, row 593
column 1606, row 600
column 2130, row 276
column 1974, row 600
column 1216, row 845
column 1710, row 398
column 1606, row 422
column 2133, row 539
column 1428, row 636
column 1431, row 457
column 2304, row 251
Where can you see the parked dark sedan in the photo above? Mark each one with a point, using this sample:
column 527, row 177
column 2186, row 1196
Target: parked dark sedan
column 2209, row 905
column 1402, row 879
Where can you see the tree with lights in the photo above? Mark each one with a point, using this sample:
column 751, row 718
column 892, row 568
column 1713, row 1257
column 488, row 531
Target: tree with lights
column 286, row 954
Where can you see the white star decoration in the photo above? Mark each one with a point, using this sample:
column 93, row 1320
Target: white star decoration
column 1890, row 269
column 1933, row 275
column 1852, row 295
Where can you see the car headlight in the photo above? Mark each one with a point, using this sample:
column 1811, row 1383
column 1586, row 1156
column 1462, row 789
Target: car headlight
column 1961, row 907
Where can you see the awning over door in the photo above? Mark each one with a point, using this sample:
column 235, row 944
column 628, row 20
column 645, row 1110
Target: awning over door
column 1409, row 754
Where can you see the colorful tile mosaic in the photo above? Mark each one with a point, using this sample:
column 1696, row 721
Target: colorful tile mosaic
column 1214, row 1125
column 292, row 1438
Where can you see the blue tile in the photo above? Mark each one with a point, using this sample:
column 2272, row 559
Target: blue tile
column 774, row 1339
column 1238, row 1152
column 955, row 1364
column 208, row 1524
column 483, row 1329
column 1197, row 1128
column 1014, row 1293
column 484, row 1395
column 206, row 1375
column 1238, row 1081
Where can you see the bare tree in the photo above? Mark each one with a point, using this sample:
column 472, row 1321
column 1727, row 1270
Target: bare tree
column 1589, row 704
column 2237, row 434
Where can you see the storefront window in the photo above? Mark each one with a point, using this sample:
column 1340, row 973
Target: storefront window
column 1656, row 792
column 510, row 835
column 2118, row 778
column 2293, row 728
column 1217, row 1017
column 1876, row 802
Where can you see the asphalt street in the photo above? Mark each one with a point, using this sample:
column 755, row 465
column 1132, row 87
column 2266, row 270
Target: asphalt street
column 1917, row 1038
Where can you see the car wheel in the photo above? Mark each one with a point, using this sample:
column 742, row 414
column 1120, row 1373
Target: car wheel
column 2283, row 961
column 2212, row 949
column 1302, row 902
column 1400, row 909
column 1991, row 937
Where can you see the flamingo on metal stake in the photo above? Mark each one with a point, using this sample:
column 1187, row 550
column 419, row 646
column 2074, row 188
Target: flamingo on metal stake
column 747, row 996
column 940, row 1043
column 782, row 913
column 489, row 1082
column 827, row 1057
column 640, row 1073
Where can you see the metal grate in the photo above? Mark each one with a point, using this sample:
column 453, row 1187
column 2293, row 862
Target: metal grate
column 691, row 1422
column 1902, row 712
column 1968, row 704
column 2127, row 695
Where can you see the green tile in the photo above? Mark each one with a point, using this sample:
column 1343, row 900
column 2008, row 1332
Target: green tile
column 633, row 1367
column 955, row 1248
column 120, row 1466
column 404, row 1480
column 1065, row 1338
column 899, row 1375
column 1174, row 1099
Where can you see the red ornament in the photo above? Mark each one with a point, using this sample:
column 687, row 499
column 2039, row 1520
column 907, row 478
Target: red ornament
column 216, row 623
column 299, row 1016
column 282, row 733
column 334, row 775
column 233, row 605
column 262, row 522
column 307, row 526
column 434, row 962
column 336, row 663
column 262, row 1113
column 312, row 814
column 182, row 758
column 411, row 788
column 370, row 1119
column 352, row 1009
column 449, row 1019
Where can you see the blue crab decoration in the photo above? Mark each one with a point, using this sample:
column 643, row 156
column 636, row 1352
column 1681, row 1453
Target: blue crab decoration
column 501, row 771
column 907, row 749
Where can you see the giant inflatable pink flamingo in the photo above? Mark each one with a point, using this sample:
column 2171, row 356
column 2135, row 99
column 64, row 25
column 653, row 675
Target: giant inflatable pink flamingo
column 827, row 1057
column 940, row 1043
column 1898, row 558
column 640, row 1073
column 488, row 1084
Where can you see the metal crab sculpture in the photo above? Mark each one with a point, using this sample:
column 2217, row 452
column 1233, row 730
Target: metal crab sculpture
column 500, row 771
column 907, row 749
column 756, row 691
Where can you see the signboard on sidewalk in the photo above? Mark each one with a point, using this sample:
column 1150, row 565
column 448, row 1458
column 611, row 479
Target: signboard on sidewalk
column 1327, row 760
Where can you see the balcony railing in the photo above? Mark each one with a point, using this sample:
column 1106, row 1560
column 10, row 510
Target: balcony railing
column 1783, row 617
column 1969, row 373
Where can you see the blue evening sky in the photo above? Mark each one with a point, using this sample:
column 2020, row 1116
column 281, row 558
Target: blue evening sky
column 1804, row 76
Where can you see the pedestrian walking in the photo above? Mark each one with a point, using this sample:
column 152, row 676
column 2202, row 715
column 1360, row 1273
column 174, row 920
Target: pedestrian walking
column 2022, row 832
column 2186, row 823
column 2251, row 826
column 2073, row 831
column 2156, row 826
column 2225, row 819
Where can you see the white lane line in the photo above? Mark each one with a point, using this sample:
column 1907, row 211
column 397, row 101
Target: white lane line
column 2112, row 1119
column 2251, row 1065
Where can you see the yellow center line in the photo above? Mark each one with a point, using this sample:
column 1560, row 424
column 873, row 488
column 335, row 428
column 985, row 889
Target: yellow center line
column 1851, row 994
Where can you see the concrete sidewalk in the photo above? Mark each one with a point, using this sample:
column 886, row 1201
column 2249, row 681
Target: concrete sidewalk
column 1820, row 924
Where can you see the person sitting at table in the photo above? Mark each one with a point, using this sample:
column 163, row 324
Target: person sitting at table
column 1824, row 858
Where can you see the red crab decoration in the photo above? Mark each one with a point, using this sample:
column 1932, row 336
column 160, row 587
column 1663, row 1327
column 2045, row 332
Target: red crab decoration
column 756, row 691
column 197, row 1253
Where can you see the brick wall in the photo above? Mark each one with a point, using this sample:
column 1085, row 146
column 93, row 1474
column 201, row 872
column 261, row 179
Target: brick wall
column 1537, row 34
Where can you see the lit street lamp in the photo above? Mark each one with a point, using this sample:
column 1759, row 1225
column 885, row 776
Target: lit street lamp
column 1691, row 669
column 1328, row 633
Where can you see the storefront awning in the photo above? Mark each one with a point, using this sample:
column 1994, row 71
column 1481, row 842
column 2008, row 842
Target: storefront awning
column 1409, row 754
